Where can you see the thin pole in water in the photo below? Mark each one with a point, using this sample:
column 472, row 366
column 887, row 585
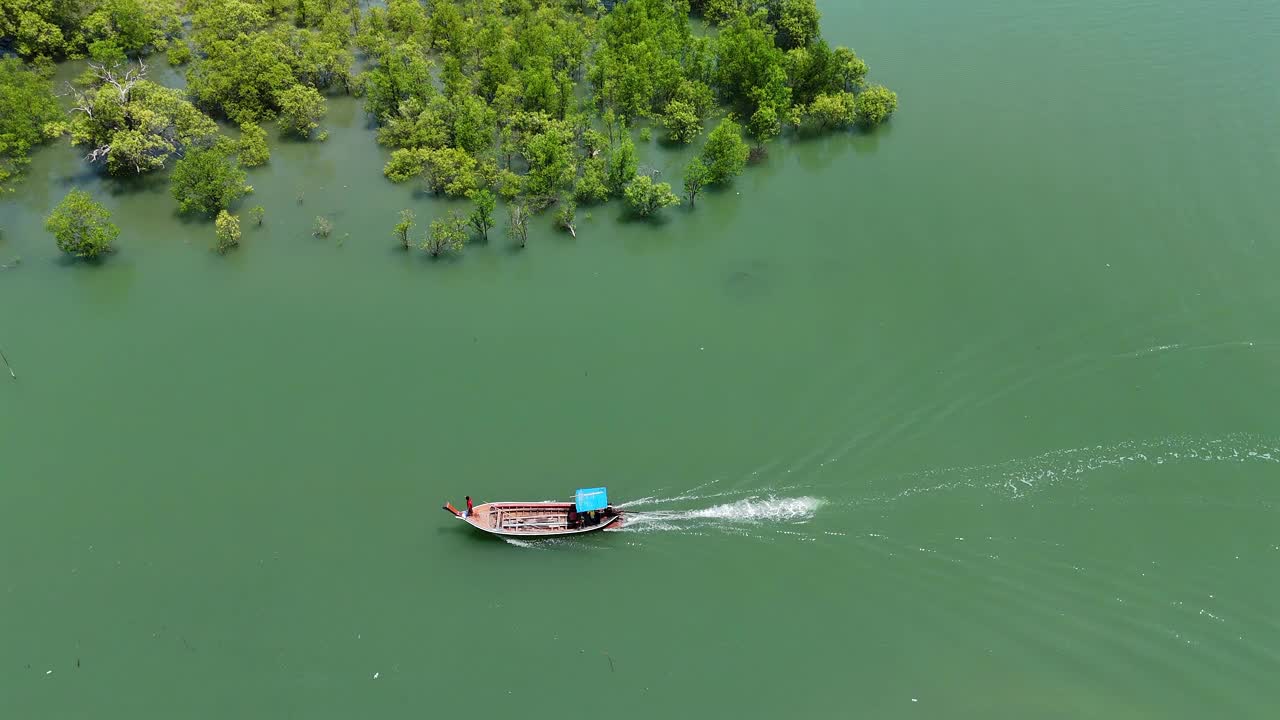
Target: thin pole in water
column 12, row 374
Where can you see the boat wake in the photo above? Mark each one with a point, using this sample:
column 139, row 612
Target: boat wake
column 756, row 510
column 1022, row 476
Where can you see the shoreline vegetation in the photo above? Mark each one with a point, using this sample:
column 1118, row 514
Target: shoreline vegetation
column 531, row 102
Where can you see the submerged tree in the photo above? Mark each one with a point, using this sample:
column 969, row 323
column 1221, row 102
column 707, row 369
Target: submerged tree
column 301, row 110
column 681, row 121
column 252, row 145
column 29, row 116
column 725, row 153
column 835, row 110
column 227, row 229
column 208, row 179
column 322, row 227
column 255, row 214
column 81, row 226
column 474, row 98
column 645, row 197
column 179, row 54
column 134, row 124
column 764, row 126
column 518, row 223
column 591, row 187
column 696, row 177
column 481, row 218
column 403, row 228
column 622, row 166
column 874, row 105
column 566, row 216
column 54, row 29
column 447, row 234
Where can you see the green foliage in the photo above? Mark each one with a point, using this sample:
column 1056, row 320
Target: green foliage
column 481, row 218
column 134, row 124
column 637, row 68
column 248, row 69
column 748, row 60
column 107, row 52
column 53, row 29
column 226, row 19
column 227, row 230
column 252, row 145
column 764, row 125
column 850, row 69
column 502, row 116
column 240, row 78
column 255, row 214
column 797, row 22
column 301, row 109
column 404, row 227
column 406, row 164
column 402, row 75
column 622, row 166
column 718, row 11
column 550, row 152
column 40, row 28
column 134, row 26
column 646, row 134
column 593, row 142
column 179, row 54
column 450, row 171
column 696, row 177
column 505, row 93
column 681, row 121
column 208, row 179
column 29, row 116
column 471, row 123
column 645, row 197
column 447, row 234
column 874, row 105
column 817, row 70
column 834, row 110
column 81, row 227
column 591, row 187
column 322, row 227
column 725, row 153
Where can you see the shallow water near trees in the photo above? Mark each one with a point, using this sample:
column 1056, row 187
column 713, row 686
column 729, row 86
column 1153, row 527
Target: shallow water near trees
column 973, row 417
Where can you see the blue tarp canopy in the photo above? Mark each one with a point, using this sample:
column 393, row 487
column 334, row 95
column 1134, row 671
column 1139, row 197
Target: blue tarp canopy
column 588, row 499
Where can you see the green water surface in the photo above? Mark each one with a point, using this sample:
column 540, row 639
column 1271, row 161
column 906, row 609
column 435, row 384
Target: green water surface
column 975, row 417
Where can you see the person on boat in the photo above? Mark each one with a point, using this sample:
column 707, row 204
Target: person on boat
column 573, row 518
column 469, row 508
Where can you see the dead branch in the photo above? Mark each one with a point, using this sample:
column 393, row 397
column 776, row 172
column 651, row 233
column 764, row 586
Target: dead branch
column 98, row 153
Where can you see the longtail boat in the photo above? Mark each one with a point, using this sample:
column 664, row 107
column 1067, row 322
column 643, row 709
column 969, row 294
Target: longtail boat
column 589, row 512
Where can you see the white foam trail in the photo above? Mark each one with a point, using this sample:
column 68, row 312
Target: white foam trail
column 1021, row 476
column 1207, row 346
column 747, row 511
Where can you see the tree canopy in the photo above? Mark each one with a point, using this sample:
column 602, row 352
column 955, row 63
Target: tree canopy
column 725, row 153
column 533, row 102
column 81, row 226
column 54, row 29
column 133, row 124
column 29, row 116
column 496, row 81
column 645, row 197
column 207, row 180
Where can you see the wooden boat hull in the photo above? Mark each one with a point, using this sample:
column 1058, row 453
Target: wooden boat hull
column 533, row 520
